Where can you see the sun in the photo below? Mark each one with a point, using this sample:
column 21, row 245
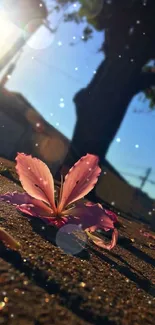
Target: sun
column 9, row 33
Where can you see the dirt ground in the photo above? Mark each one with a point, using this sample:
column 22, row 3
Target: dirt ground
column 41, row 285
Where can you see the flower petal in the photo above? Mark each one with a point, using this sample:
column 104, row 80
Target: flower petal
column 23, row 199
column 8, row 239
column 16, row 198
column 91, row 216
column 99, row 242
column 147, row 234
column 112, row 215
column 34, row 210
column 106, row 218
column 36, row 178
column 80, row 180
column 56, row 222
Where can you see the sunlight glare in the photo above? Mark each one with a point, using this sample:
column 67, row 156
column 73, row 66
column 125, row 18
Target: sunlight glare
column 9, row 33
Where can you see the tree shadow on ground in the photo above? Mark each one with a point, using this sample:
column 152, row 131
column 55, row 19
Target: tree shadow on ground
column 127, row 244
column 70, row 300
column 122, row 260
column 141, row 281
column 141, row 255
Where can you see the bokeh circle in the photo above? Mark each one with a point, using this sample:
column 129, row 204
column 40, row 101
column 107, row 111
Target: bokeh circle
column 67, row 240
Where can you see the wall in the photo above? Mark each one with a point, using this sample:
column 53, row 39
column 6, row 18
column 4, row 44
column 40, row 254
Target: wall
column 112, row 188
column 22, row 129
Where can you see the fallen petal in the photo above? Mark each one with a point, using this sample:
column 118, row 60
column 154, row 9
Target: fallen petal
column 34, row 210
column 92, row 229
column 107, row 218
column 16, row 198
column 112, row 215
column 80, row 180
column 99, row 242
column 91, row 217
column 8, row 239
column 23, row 199
column 43, row 214
column 36, row 178
column 147, row 234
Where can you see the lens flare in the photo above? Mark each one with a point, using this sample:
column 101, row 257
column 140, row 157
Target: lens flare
column 71, row 239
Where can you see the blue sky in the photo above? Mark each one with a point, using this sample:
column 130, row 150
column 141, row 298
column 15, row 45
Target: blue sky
column 49, row 73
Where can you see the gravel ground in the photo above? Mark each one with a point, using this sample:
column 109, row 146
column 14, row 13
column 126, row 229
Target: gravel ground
column 41, row 285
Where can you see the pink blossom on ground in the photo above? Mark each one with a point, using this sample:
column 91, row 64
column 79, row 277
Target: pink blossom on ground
column 39, row 199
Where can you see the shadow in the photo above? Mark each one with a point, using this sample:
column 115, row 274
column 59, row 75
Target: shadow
column 49, row 233
column 121, row 259
column 45, row 231
column 2, row 219
column 141, row 255
column 71, row 301
column 126, row 243
column 143, row 283
column 8, row 174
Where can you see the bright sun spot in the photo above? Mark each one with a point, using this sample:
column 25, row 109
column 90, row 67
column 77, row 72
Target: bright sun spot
column 9, row 33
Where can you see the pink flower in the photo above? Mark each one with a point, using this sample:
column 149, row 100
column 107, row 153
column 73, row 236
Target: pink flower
column 39, row 199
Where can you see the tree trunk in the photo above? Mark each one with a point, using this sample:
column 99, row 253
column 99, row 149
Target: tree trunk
column 101, row 107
